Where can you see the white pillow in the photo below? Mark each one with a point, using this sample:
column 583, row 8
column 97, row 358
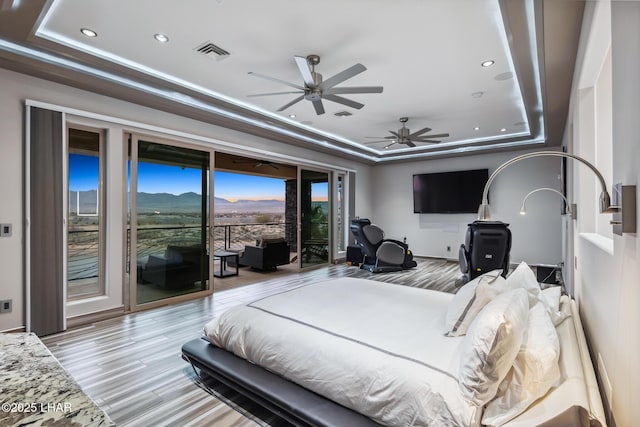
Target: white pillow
column 470, row 299
column 551, row 296
column 534, row 372
column 491, row 345
column 523, row 277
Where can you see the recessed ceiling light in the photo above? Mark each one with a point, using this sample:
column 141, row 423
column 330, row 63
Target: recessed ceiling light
column 161, row 38
column 488, row 63
column 88, row 32
column 503, row 130
column 476, row 128
column 292, row 116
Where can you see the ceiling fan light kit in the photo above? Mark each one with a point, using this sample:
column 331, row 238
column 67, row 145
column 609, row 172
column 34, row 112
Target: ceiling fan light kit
column 314, row 89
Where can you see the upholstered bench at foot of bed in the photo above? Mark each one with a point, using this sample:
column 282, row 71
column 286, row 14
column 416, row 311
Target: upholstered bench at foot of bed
column 284, row 398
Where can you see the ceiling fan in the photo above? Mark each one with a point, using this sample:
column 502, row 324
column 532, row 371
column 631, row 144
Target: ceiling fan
column 403, row 136
column 256, row 163
column 315, row 89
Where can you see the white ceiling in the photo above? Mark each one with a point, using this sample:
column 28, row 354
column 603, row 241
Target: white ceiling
column 427, row 55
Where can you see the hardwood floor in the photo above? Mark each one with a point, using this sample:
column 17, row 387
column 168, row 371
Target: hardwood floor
column 132, row 368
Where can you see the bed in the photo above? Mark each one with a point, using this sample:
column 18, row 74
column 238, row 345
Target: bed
column 359, row 352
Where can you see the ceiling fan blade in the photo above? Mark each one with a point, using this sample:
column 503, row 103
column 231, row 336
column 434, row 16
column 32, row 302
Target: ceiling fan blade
column 298, row 99
column 395, row 134
column 265, row 163
column 318, row 106
column 409, row 144
column 343, row 101
column 440, row 135
column 342, row 76
column 276, row 80
column 357, row 89
column 421, row 131
column 272, row 93
column 387, row 146
column 427, row 140
column 380, row 137
column 377, row 142
column 303, row 66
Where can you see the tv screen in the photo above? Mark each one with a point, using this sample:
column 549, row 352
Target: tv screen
column 449, row 192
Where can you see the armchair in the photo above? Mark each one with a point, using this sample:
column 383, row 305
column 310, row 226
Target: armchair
column 179, row 268
column 268, row 254
column 380, row 254
column 486, row 247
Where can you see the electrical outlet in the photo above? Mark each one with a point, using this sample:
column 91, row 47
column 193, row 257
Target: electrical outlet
column 6, row 306
column 5, row 230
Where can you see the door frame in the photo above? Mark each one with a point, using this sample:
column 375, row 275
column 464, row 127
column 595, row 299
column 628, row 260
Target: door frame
column 330, row 220
column 131, row 286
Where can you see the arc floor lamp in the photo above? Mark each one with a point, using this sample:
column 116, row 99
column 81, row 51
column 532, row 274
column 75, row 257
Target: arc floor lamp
column 484, row 211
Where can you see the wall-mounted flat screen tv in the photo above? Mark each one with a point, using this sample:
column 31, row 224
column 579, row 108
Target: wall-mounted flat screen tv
column 449, row 192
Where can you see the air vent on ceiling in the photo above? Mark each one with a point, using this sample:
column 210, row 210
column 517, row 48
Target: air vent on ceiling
column 212, row 51
column 343, row 114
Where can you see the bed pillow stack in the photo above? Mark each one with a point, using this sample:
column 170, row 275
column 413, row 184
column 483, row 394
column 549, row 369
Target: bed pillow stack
column 524, row 277
column 492, row 344
column 510, row 354
column 534, row 372
column 470, row 299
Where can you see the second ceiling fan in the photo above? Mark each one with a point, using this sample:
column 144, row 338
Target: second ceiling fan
column 315, row 89
column 404, row 136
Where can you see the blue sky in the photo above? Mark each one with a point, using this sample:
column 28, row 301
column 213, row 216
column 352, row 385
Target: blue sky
column 155, row 178
column 83, row 172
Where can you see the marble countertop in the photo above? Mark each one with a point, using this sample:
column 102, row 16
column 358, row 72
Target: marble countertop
column 35, row 389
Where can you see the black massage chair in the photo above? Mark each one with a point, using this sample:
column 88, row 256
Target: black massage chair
column 379, row 254
column 486, row 247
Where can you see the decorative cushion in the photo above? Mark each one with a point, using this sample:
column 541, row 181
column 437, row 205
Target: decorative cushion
column 491, row 345
column 534, row 372
column 470, row 299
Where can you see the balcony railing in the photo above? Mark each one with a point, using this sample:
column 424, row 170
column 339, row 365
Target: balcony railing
column 83, row 251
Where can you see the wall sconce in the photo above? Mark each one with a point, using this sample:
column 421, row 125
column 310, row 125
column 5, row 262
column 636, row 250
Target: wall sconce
column 571, row 209
column 484, row 212
column 624, row 221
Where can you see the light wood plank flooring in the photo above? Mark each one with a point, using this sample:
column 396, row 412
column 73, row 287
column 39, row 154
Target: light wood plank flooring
column 131, row 365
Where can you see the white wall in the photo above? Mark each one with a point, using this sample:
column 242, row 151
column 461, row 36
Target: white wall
column 607, row 277
column 535, row 237
column 11, row 211
column 17, row 87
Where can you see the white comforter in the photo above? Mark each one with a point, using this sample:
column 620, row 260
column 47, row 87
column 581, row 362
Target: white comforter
column 374, row 347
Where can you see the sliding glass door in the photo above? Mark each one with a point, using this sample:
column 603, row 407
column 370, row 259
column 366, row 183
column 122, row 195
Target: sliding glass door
column 169, row 226
column 315, row 218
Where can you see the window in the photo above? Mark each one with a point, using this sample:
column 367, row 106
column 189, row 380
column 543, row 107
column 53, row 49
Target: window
column 85, row 231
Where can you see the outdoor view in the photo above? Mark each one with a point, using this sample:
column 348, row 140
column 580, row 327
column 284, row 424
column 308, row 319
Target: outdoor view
column 173, row 215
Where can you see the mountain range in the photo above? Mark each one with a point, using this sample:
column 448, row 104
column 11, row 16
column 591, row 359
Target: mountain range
column 181, row 203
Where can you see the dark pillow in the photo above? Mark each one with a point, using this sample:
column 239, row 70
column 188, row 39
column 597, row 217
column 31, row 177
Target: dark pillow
column 190, row 253
column 268, row 239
